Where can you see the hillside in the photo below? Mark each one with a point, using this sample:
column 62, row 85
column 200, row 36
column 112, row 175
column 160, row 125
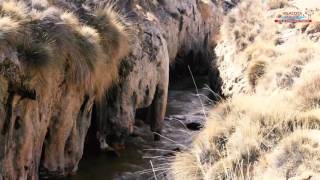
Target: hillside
column 268, row 127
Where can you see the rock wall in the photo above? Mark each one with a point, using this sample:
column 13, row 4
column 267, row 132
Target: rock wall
column 55, row 66
column 164, row 30
column 52, row 68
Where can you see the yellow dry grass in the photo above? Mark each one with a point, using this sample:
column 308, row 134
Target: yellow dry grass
column 272, row 132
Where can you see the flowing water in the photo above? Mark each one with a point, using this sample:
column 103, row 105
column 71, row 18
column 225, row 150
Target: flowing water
column 185, row 113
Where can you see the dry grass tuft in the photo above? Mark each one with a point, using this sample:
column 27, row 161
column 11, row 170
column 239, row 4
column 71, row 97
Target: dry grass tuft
column 256, row 71
column 9, row 29
column 15, row 9
column 47, row 38
column 116, row 43
column 277, row 4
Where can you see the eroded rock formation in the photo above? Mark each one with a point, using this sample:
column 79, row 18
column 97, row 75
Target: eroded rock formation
column 55, row 65
column 165, row 30
column 52, row 67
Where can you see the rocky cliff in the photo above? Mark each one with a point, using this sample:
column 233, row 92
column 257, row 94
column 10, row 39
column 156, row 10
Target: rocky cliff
column 164, row 30
column 59, row 58
column 53, row 67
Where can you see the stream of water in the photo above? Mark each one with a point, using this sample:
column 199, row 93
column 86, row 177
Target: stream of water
column 184, row 114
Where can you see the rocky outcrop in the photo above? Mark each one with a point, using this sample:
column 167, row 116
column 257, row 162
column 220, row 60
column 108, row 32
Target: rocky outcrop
column 55, row 67
column 165, row 30
column 52, row 68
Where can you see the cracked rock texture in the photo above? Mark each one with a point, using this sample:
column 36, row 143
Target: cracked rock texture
column 58, row 58
column 164, row 30
column 52, row 68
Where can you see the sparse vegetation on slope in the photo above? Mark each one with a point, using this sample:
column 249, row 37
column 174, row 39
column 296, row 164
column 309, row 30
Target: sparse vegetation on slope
column 269, row 127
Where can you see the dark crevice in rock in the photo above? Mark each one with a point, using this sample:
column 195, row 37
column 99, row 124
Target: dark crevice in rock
column 17, row 123
column 8, row 111
column 180, row 23
column 142, row 114
column 24, row 92
column 197, row 62
column 91, row 145
column 152, row 113
column 43, row 172
column 84, row 104
column 202, row 65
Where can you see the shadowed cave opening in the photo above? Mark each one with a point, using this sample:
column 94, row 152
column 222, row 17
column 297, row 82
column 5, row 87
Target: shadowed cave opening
column 189, row 67
column 191, row 61
column 198, row 65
